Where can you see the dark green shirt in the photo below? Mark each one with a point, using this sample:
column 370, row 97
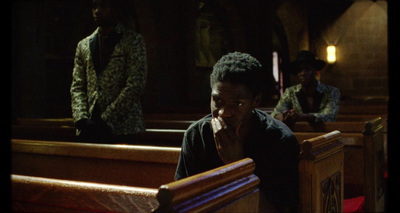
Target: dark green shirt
column 271, row 144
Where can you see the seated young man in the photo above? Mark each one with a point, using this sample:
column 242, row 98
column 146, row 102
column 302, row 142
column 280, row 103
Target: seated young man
column 235, row 129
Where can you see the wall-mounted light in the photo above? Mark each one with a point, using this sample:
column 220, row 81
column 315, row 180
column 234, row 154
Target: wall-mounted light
column 331, row 54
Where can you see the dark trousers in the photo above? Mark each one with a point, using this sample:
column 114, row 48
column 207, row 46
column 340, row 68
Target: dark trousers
column 97, row 131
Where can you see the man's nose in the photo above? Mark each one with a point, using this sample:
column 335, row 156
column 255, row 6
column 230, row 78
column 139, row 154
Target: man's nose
column 96, row 10
column 225, row 111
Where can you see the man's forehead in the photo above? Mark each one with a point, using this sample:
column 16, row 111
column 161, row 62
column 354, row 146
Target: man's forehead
column 306, row 65
column 108, row 3
column 229, row 89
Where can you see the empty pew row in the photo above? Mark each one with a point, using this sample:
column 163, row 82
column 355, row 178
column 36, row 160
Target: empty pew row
column 231, row 188
column 101, row 163
column 70, row 175
column 158, row 137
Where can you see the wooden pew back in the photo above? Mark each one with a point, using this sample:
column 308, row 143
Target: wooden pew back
column 230, row 188
column 81, row 162
column 321, row 174
column 44, row 132
column 224, row 185
column 363, row 163
column 374, row 166
column 156, row 137
column 38, row 194
column 145, row 166
column 163, row 132
column 342, row 126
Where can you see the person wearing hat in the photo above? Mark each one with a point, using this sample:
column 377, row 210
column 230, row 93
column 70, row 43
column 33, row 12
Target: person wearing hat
column 310, row 100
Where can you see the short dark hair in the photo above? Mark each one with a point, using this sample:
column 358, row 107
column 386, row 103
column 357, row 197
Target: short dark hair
column 239, row 68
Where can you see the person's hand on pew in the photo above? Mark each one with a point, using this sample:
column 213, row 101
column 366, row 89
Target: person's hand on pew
column 91, row 126
column 227, row 141
column 304, row 117
column 290, row 117
column 81, row 124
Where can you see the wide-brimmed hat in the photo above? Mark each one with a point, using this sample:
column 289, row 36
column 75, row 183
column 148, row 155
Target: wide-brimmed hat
column 307, row 57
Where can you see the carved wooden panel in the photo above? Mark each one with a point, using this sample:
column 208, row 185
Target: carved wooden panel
column 331, row 193
column 379, row 167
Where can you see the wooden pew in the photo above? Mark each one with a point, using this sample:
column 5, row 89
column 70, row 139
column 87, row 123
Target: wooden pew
column 69, row 122
column 173, row 137
column 374, row 166
column 168, row 124
column 353, row 155
column 351, row 131
column 63, row 128
column 101, row 163
column 157, row 137
column 41, row 195
column 242, row 185
column 364, row 163
column 118, row 164
column 163, row 121
column 230, row 188
column 176, row 121
column 363, row 108
column 343, row 126
column 360, row 117
column 43, row 129
column 43, row 132
column 351, row 109
column 321, row 174
column 362, row 175
column 175, row 116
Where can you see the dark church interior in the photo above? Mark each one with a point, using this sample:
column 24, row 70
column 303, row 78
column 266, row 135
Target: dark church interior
column 183, row 40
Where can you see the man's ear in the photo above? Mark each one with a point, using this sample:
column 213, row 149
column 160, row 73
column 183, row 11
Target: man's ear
column 257, row 100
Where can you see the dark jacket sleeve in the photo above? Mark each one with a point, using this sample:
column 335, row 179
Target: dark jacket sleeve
column 188, row 159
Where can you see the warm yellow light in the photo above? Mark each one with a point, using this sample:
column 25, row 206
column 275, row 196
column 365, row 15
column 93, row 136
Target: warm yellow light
column 331, row 54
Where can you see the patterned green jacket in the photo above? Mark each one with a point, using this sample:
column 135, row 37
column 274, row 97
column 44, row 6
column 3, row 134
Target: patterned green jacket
column 117, row 89
column 326, row 102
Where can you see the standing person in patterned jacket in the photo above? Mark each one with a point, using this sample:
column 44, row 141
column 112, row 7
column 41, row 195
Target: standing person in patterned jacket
column 109, row 76
column 310, row 100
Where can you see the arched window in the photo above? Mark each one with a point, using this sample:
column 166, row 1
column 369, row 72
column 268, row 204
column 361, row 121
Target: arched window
column 276, row 72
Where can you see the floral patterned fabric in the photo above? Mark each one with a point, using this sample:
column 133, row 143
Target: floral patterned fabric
column 326, row 102
column 117, row 89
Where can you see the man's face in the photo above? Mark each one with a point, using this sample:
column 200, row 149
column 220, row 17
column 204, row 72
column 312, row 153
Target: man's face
column 103, row 13
column 306, row 74
column 233, row 102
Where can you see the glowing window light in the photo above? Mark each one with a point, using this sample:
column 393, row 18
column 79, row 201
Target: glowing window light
column 275, row 64
column 331, row 54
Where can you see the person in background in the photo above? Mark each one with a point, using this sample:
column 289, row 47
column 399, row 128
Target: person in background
column 109, row 76
column 310, row 100
column 235, row 129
